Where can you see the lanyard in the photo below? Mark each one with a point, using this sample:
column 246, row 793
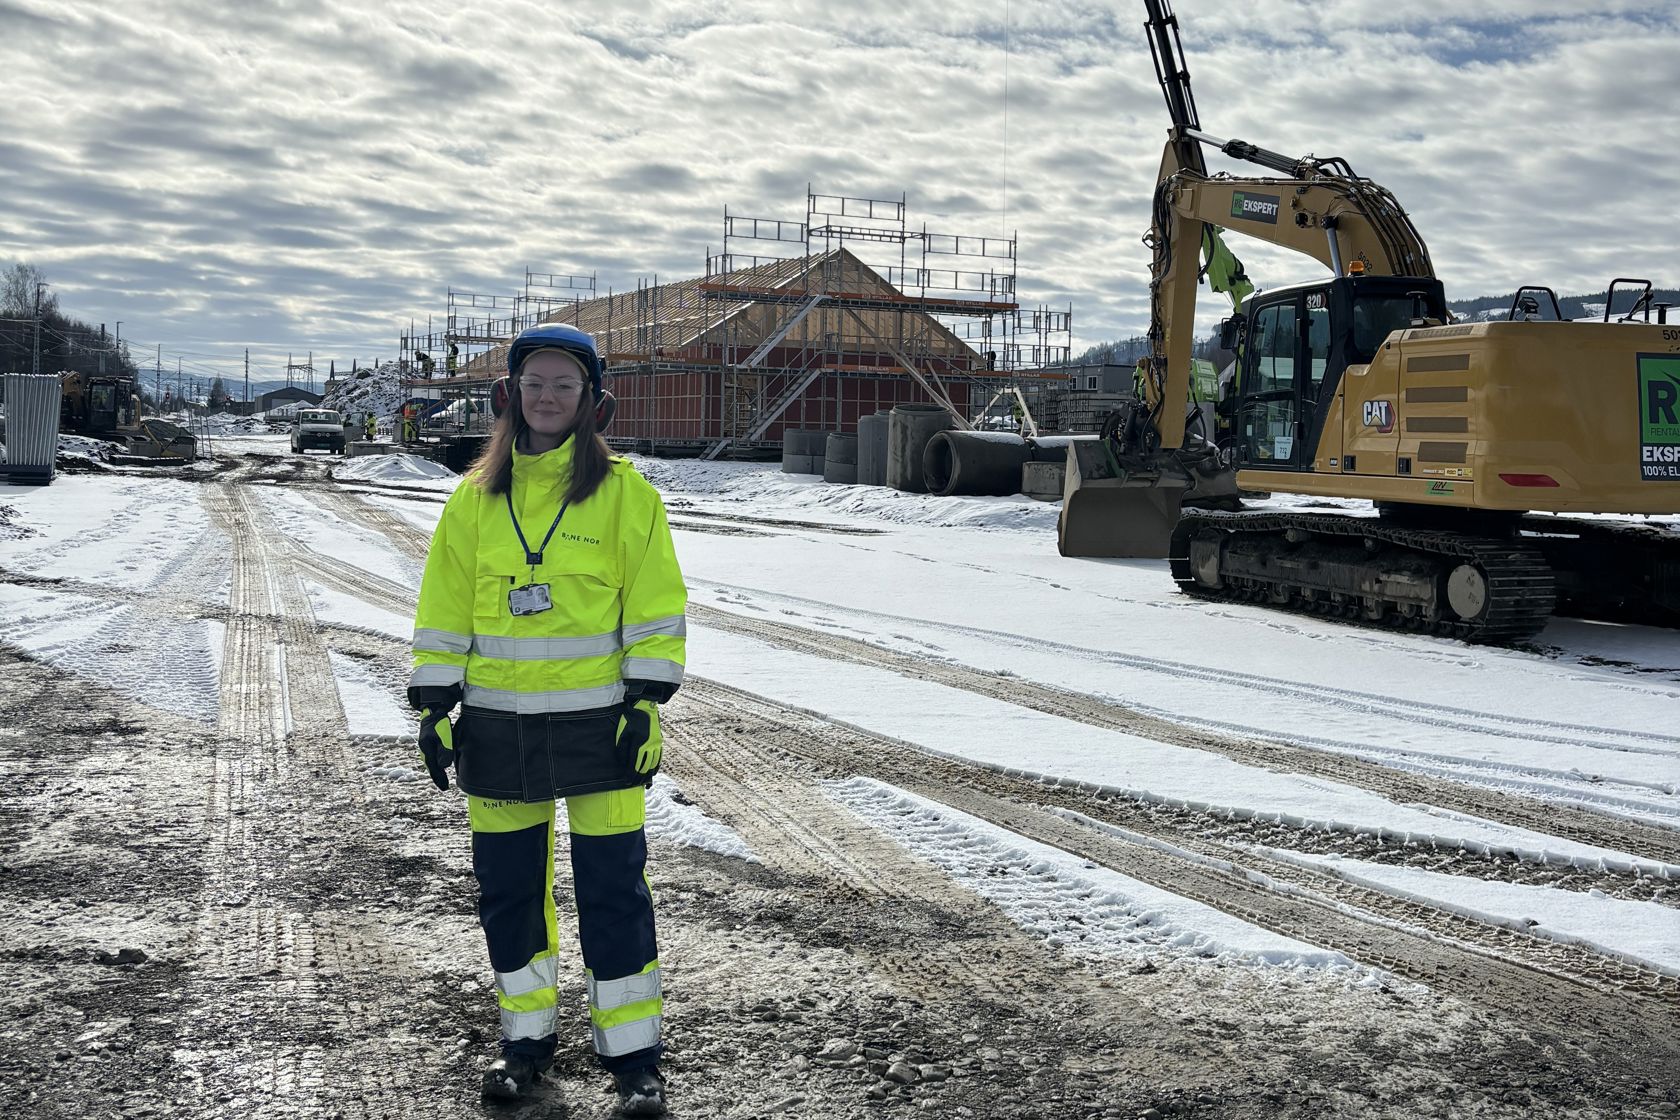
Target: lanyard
column 532, row 558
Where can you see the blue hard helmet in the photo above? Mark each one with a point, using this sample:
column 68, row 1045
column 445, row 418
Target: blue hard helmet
column 558, row 336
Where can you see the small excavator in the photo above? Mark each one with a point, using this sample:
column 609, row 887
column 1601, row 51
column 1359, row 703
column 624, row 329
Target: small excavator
column 1360, row 386
column 95, row 404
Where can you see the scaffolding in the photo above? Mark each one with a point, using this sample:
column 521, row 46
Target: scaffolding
column 864, row 282
column 793, row 323
column 474, row 324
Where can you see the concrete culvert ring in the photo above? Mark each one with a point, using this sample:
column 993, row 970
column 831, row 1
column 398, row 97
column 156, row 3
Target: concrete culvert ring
column 936, row 465
column 974, row 463
column 1467, row 591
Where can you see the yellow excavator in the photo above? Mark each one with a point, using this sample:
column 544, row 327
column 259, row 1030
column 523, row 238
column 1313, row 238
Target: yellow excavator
column 1360, row 386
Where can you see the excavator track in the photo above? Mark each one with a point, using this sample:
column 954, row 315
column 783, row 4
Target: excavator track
column 1367, row 571
column 1615, row 571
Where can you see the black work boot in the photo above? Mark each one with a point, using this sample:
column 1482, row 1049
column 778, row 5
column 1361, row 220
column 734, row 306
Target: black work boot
column 511, row 1076
column 641, row 1092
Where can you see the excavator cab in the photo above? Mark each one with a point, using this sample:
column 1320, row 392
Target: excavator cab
column 1299, row 342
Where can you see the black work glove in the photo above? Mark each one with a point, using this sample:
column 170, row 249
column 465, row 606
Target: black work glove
column 437, row 744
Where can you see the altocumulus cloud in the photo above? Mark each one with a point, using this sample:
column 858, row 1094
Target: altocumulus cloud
column 309, row 175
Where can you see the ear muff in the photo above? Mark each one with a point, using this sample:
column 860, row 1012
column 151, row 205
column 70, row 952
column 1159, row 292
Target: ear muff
column 501, row 392
column 605, row 409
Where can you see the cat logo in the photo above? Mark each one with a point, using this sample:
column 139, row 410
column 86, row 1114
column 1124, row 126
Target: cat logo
column 1379, row 415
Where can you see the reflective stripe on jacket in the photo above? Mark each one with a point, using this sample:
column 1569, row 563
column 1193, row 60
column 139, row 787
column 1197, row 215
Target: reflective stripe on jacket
column 617, row 596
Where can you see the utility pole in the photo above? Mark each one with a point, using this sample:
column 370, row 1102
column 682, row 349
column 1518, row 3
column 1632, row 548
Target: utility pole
column 102, row 349
column 157, row 377
column 36, row 368
column 247, row 375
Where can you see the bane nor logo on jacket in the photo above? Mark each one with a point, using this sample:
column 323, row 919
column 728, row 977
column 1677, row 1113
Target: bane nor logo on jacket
column 579, row 538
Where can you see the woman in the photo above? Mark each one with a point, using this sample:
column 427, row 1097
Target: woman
column 552, row 611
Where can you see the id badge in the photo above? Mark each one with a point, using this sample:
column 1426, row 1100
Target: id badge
column 530, row 599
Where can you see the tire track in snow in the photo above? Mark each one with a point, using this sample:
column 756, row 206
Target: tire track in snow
column 291, row 1011
column 1522, row 977
column 950, row 949
column 1510, row 805
column 1652, row 841
column 1366, row 703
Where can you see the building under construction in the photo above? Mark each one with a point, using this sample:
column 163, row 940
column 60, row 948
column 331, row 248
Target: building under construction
column 794, row 325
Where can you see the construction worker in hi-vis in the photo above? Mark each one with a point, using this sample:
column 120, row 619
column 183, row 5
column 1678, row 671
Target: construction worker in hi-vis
column 552, row 611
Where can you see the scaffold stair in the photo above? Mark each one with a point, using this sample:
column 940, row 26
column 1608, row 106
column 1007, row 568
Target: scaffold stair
column 774, row 339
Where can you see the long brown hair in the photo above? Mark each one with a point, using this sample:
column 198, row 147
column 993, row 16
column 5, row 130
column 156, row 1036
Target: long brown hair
column 492, row 471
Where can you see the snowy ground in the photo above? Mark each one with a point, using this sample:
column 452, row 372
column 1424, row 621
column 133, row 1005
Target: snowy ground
column 926, row 772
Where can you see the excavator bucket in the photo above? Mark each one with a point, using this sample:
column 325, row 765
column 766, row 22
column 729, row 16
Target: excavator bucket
column 1108, row 512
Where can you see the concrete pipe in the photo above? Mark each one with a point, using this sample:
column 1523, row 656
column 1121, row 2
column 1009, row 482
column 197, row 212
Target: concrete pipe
column 810, row 442
column 1049, row 449
column 840, row 458
column 909, row 429
column 872, row 449
column 1043, row 481
column 974, row 463
column 802, row 447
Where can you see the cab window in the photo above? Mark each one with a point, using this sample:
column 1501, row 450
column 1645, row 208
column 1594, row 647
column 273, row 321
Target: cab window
column 1274, row 350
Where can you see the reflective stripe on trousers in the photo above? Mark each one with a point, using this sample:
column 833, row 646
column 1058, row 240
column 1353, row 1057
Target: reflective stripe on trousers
column 513, row 856
column 627, row 1038
column 536, row 1024
column 544, row 972
column 605, row 995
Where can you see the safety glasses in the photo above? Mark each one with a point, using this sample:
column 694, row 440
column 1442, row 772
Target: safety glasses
column 562, row 389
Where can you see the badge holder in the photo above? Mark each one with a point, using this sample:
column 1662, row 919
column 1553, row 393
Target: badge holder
column 530, row 599
column 533, row 598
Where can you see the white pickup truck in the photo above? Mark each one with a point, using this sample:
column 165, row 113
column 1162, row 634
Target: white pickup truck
column 318, row 427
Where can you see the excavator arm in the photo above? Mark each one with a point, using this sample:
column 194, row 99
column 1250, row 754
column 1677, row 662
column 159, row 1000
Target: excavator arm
column 1122, row 498
column 1324, row 211
column 1317, row 207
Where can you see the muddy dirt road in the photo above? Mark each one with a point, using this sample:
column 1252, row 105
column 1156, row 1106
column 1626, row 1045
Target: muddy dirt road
column 240, row 917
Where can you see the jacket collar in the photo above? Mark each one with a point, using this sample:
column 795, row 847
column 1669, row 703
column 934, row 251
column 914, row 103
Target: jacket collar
column 549, row 468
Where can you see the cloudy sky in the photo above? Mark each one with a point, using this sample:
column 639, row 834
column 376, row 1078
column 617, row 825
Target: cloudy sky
column 297, row 175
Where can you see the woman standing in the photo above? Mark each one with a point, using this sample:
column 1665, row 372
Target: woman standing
column 552, row 611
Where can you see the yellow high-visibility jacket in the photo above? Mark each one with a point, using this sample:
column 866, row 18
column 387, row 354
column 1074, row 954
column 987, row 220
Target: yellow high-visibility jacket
column 541, row 694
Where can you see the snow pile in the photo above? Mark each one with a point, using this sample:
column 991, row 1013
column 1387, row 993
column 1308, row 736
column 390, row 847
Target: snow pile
column 227, row 424
column 83, row 451
column 675, row 819
column 390, row 468
column 1070, row 903
column 721, row 485
column 378, row 390
column 697, row 476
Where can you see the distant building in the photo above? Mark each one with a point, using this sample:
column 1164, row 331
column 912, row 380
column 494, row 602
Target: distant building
column 291, row 395
column 1110, row 379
